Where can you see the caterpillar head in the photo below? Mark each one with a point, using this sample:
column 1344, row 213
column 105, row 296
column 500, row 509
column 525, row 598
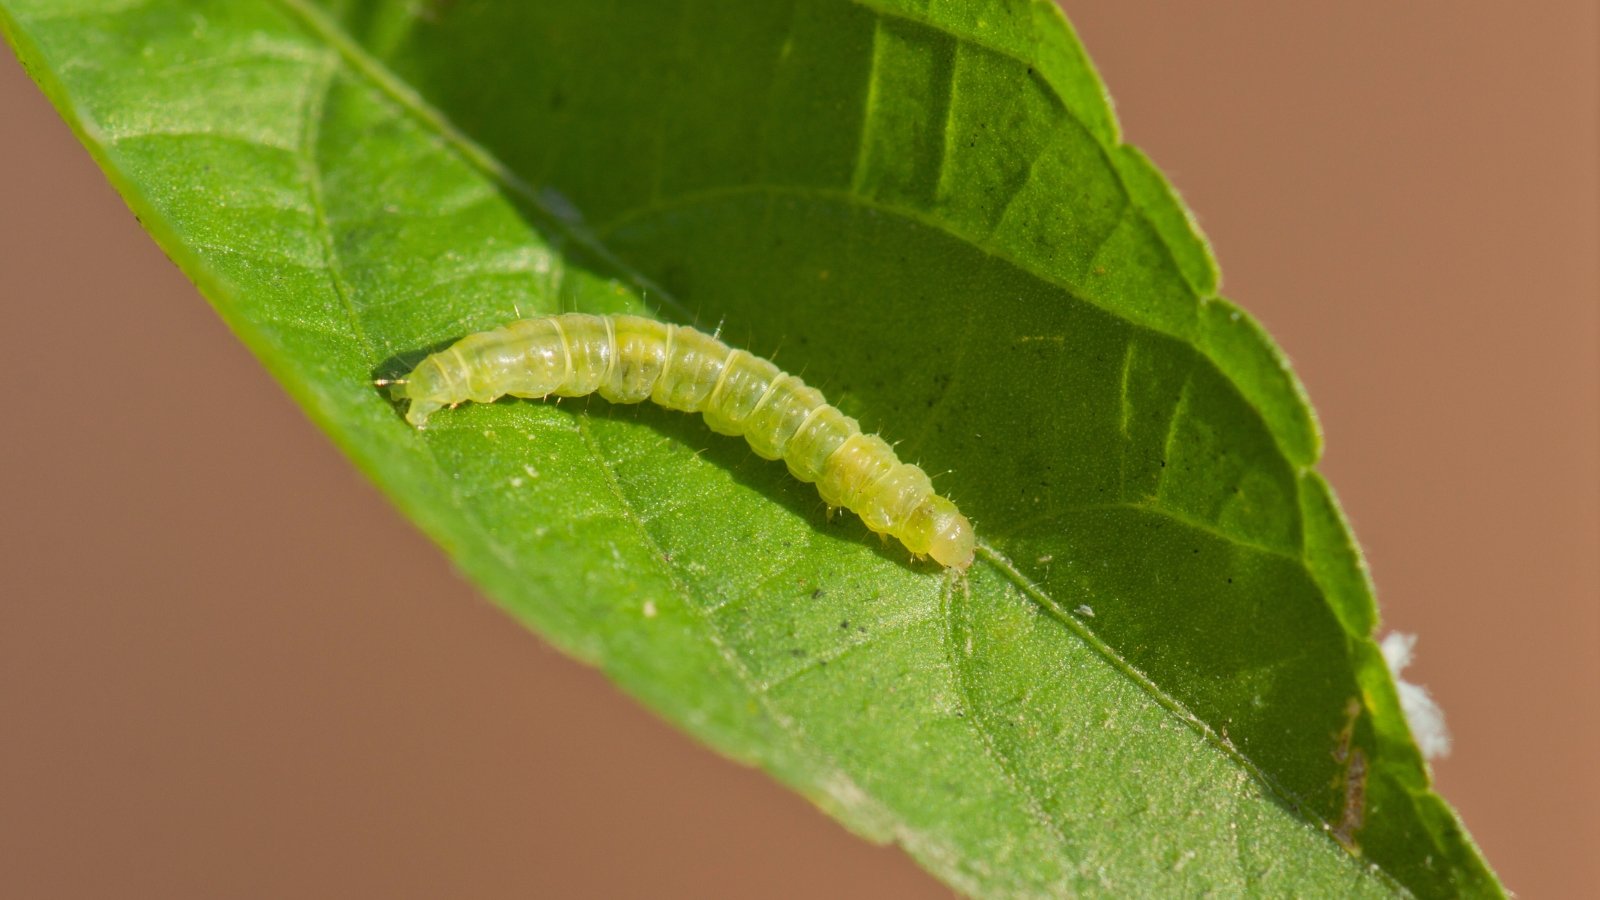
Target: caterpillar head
column 426, row 389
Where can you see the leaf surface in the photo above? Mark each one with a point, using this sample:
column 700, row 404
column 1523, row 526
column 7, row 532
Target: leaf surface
column 1159, row 677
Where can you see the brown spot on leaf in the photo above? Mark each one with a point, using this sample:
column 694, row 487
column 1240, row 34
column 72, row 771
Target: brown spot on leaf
column 1352, row 780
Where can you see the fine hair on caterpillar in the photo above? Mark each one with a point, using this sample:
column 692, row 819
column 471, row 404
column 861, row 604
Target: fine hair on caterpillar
column 630, row 359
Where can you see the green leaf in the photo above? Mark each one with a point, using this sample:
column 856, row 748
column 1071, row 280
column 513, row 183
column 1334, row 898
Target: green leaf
column 1159, row 677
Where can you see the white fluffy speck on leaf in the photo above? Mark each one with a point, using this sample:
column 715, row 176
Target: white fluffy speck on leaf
column 1422, row 714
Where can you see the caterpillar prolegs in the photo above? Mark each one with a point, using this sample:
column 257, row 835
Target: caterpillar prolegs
column 629, row 359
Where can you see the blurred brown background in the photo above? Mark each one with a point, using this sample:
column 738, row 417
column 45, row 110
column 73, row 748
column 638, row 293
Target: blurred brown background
column 228, row 668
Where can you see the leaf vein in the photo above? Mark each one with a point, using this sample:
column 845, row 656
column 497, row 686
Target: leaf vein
column 469, row 151
column 327, row 71
column 1017, row 781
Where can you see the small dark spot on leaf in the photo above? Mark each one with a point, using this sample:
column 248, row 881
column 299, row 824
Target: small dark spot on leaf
column 797, row 653
column 845, row 625
column 816, row 593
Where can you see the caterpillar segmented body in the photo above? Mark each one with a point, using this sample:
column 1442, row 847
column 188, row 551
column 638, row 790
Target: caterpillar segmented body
column 629, row 359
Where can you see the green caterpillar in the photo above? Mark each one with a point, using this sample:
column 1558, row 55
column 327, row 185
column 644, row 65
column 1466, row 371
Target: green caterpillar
column 628, row 359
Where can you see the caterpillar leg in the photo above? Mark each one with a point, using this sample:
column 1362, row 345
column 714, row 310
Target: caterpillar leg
column 419, row 411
